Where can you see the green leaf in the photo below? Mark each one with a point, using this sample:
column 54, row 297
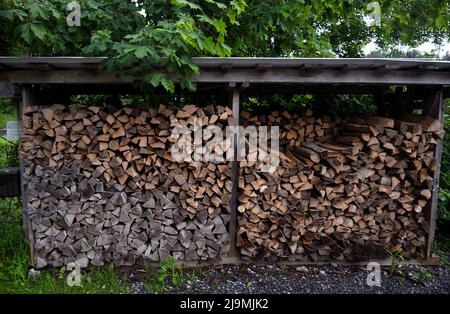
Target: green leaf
column 25, row 32
column 220, row 26
column 168, row 84
column 183, row 3
column 141, row 52
column 154, row 78
column 221, row 5
column 168, row 51
column 36, row 10
column 189, row 85
column 239, row 5
column 38, row 30
column 158, row 78
column 232, row 17
column 55, row 12
column 218, row 4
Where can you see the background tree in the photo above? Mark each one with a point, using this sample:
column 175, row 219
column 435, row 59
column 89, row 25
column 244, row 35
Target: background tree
column 154, row 40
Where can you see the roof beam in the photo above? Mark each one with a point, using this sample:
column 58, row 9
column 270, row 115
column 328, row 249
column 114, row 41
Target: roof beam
column 269, row 76
column 326, row 76
column 79, row 70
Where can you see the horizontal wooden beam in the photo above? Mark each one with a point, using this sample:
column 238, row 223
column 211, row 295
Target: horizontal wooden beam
column 434, row 260
column 64, row 77
column 328, row 76
column 268, row 76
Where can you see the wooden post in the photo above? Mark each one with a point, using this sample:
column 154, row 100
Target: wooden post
column 434, row 107
column 234, row 174
column 27, row 100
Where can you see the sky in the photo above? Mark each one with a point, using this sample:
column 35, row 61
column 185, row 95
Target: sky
column 425, row 47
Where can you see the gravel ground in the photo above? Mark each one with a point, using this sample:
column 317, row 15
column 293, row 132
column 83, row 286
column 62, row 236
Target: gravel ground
column 331, row 278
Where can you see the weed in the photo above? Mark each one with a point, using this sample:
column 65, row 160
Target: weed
column 397, row 258
column 8, row 111
column 192, row 275
column 215, row 288
column 283, row 270
column 425, row 273
column 15, row 261
column 222, row 272
column 9, row 154
column 167, row 274
column 441, row 247
column 248, row 287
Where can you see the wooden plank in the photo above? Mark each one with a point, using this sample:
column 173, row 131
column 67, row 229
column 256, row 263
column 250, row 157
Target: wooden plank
column 234, row 175
column 436, row 109
column 27, row 100
column 324, row 76
column 431, row 261
column 64, row 77
column 272, row 76
column 249, row 62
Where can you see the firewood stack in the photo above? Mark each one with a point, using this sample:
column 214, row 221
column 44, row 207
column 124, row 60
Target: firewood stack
column 103, row 186
column 351, row 197
column 294, row 129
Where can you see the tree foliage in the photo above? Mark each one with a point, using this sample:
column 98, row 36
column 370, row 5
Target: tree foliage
column 154, row 40
column 443, row 221
column 39, row 27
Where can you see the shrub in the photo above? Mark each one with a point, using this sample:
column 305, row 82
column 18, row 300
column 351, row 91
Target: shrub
column 443, row 219
column 9, row 154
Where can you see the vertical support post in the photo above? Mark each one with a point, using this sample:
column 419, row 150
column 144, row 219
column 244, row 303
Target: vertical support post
column 26, row 101
column 434, row 108
column 234, row 174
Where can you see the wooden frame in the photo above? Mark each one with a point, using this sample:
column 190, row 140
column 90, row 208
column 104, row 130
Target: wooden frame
column 284, row 75
column 78, row 70
column 235, row 105
column 435, row 108
column 26, row 101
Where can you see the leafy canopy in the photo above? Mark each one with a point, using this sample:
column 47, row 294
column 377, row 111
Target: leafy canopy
column 154, row 40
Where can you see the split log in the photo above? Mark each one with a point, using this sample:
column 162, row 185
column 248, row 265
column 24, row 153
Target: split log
column 104, row 186
column 349, row 197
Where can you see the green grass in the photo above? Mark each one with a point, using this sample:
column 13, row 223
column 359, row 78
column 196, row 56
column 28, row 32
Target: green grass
column 9, row 159
column 93, row 281
column 8, row 116
column 8, row 111
column 168, row 275
column 425, row 273
column 9, row 153
column 442, row 241
column 441, row 247
column 15, row 263
column 14, row 251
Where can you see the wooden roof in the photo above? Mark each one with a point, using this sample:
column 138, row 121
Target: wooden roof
column 264, row 74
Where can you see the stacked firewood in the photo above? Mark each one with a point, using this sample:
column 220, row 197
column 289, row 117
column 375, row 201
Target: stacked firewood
column 102, row 185
column 353, row 196
column 295, row 129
